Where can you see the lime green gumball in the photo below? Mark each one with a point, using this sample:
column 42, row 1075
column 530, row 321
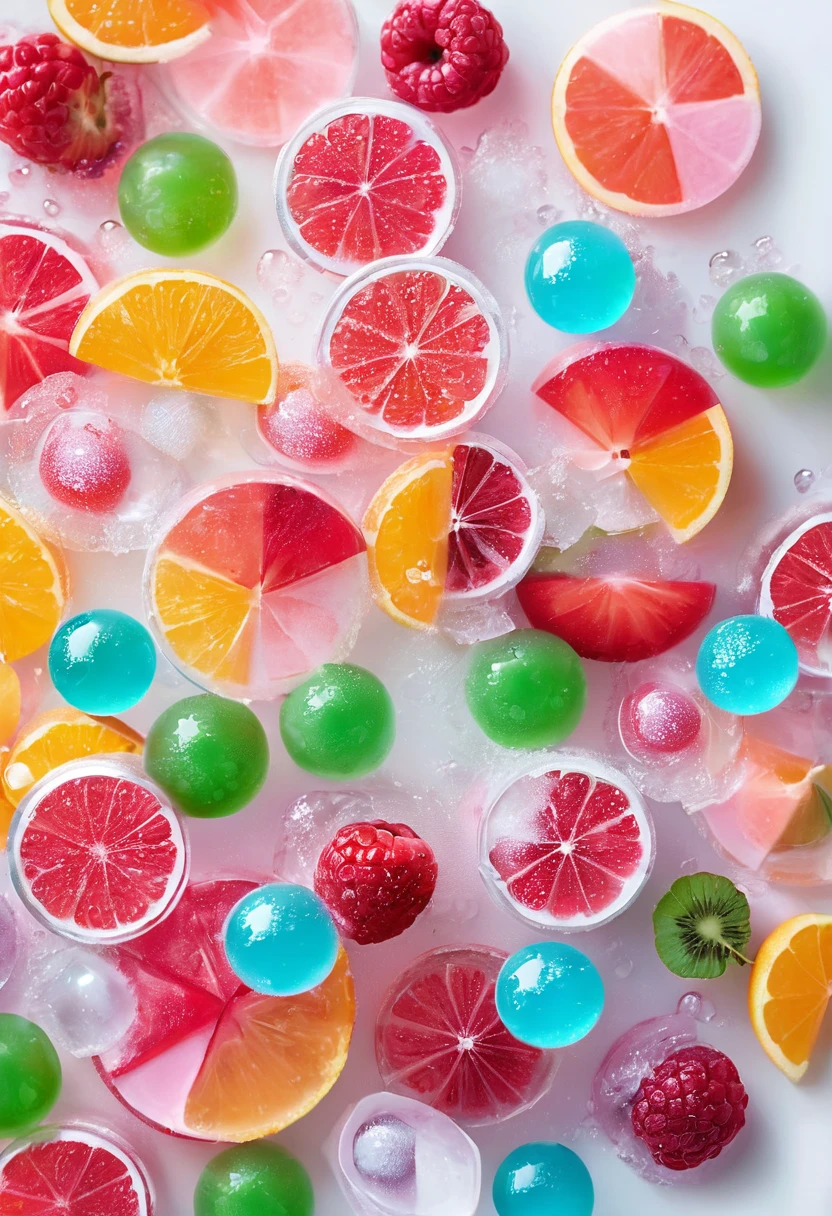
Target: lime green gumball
column 30, row 1075
column 259, row 1179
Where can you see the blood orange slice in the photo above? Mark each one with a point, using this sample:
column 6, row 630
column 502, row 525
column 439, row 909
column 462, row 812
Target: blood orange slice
column 633, row 411
column 366, row 179
column 419, row 344
column 439, row 1038
column 796, row 590
column 615, row 619
column 95, row 852
column 568, row 848
column 656, row 111
column 44, row 288
column 72, row 1171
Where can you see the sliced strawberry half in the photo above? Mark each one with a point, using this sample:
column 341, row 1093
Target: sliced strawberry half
column 615, row 619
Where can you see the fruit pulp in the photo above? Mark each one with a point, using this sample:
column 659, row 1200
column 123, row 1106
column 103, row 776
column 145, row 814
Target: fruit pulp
column 796, row 590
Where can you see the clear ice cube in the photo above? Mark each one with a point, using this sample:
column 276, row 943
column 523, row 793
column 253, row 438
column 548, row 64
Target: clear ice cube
column 83, row 1002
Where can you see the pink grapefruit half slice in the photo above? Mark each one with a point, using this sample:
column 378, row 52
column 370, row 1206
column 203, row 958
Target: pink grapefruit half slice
column 796, row 590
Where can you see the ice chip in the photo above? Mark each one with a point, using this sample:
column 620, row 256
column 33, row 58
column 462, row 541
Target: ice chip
column 173, row 422
column 83, row 1002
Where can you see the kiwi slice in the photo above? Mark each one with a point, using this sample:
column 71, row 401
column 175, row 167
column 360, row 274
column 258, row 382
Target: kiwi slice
column 702, row 924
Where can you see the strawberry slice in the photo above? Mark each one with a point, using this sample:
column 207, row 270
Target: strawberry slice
column 615, row 619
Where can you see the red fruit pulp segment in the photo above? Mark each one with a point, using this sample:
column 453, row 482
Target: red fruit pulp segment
column 615, row 619
column 621, row 396
column 303, row 534
column 585, row 845
column 491, row 517
column 366, row 188
column 409, row 346
column 69, row 1178
column 44, row 287
column 100, row 852
column 799, row 586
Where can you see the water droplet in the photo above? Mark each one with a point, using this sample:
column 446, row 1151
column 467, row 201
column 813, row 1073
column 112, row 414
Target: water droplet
column 725, row 267
column 765, row 253
column 548, row 215
column 19, row 177
column 803, row 480
column 697, row 1007
column 51, row 207
column 112, row 237
column 624, row 968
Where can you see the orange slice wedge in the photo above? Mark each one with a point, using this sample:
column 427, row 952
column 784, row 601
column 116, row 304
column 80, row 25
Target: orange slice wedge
column 789, row 990
column 132, row 31
column 10, row 699
column 32, row 587
column 406, row 528
column 207, row 619
column 181, row 329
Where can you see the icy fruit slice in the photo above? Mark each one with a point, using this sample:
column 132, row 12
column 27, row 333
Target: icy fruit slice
column 796, row 590
column 72, row 1171
column 32, row 587
column 615, row 619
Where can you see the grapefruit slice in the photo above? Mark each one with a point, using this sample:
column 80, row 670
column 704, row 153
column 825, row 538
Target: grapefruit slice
column 568, row 848
column 267, row 66
column 297, row 426
column 617, row 619
column 258, row 581
column 656, row 110
column 796, row 590
column 363, row 180
column 439, row 1038
column 96, row 854
column 59, row 1171
column 167, row 28
column 419, row 345
column 44, row 288
column 207, row 1058
column 633, row 411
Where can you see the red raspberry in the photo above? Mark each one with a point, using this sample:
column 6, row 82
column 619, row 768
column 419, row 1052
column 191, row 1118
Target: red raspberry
column 442, row 54
column 689, row 1107
column 53, row 104
column 375, row 878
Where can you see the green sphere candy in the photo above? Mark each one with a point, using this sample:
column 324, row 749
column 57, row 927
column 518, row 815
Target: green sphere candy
column 769, row 330
column 527, row 689
column 259, row 1179
column 177, row 194
column 30, row 1075
column 210, row 755
column 340, row 723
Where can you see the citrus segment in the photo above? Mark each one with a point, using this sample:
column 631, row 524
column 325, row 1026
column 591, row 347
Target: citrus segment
column 207, row 620
column 796, row 590
column 657, row 111
column 181, row 329
column 789, row 990
column 32, row 587
column 10, row 702
column 785, row 801
column 116, row 30
column 61, row 1170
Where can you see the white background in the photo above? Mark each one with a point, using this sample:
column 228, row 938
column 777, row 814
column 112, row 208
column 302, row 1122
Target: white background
column 784, row 1163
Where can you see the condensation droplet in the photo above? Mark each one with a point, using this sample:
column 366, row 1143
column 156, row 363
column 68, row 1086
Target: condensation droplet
column 20, row 176
column 803, row 480
column 697, row 1007
column 624, row 968
column 111, row 236
column 548, row 215
column 51, row 207
column 725, row 267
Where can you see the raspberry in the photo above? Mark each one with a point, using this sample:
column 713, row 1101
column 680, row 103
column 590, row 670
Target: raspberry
column 442, row 54
column 53, row 104
column 689, row 1107
column 375, row 878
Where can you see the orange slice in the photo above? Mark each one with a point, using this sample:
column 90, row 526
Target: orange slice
column 406, row 528
column 10, row 699
column 684, row 472
column 789, row 990
column 786, row 801
column 60, row 735
column 207, row 619
column 291, row 1048
column 132, row 31
column 32, row 587
column 181, row 329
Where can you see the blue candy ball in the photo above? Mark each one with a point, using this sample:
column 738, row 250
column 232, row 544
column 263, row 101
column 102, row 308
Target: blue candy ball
column 549, row 995
column 102, row 662
column 747, row 665
column 580, row 277
column 543, row 1179
column 281, row 939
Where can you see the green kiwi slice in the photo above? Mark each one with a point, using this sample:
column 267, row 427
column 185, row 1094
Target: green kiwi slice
column 702, row 924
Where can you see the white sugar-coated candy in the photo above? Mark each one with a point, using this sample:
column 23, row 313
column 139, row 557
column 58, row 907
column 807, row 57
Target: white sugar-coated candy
column 8, row 941
column 82, row 1001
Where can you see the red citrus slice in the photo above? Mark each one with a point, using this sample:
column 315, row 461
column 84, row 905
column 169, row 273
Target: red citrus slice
column 419, row 346
column 796, row 590
column 617, row 619
column 656, row 110
column 363, row 180
column 569, row 848
column 439, row 1038
column 72, row 1171
column 96, row 854
column 44, row 287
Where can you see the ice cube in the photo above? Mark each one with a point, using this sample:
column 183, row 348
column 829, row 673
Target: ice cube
column 173, row 422
column 83, row 1002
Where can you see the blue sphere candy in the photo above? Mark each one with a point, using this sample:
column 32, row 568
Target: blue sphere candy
column 281, row 939
column 103, row 661
column 747, row 665
column 543, row 1179
column 580, row 277
column 549, row 995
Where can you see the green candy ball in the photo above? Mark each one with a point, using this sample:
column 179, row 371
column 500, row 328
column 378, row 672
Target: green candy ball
column 260, row 1179
column 177, row 194
column 526, row 690
column 769, row 330
column 340, row 723
column 210, row 755
column 30, row 1075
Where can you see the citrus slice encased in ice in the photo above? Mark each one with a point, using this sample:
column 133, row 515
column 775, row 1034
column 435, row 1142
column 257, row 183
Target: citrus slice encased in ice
column 33, row 586
column 796, row 590
column 166, row 30
column 365, row 179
